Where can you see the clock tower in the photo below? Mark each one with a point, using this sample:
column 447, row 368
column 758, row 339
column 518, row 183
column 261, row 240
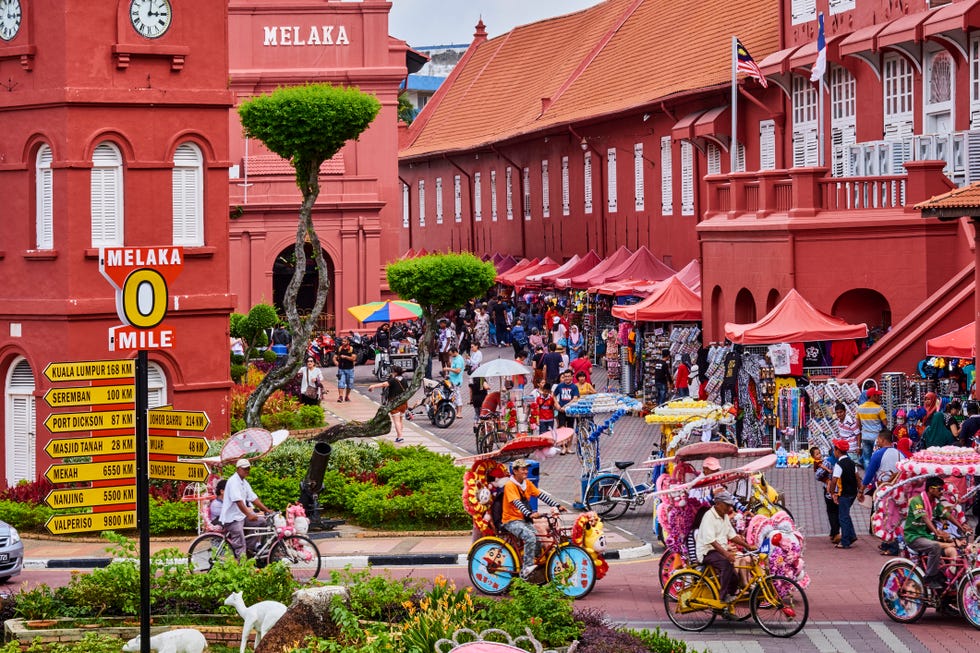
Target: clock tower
column 115, row 133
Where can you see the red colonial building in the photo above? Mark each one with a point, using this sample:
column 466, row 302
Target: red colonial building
column 357, row 214
column 119, row 128
column 612, row 126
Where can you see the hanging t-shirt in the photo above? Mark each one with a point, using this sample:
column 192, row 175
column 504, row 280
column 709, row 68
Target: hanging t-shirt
column 813, row 355
column 796, row 359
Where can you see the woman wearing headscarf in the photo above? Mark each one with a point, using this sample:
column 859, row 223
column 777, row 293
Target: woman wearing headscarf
column 576, row 343
column 935, row 433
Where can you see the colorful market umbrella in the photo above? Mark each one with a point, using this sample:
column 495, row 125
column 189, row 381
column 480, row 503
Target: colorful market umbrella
column 394, row 310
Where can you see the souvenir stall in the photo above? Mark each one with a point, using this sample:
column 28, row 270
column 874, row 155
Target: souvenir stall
column 769, row 375
column 950, row 363
column 669, row 319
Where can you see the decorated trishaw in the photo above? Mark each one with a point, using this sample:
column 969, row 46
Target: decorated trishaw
column 684, row 492
column 571, row 557
column 684, row 421
column 902, row 591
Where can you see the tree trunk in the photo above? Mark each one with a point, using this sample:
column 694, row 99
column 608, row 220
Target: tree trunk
column 300, row 329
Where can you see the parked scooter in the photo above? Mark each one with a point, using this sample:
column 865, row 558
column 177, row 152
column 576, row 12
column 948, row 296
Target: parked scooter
column 438, row 401
column 362, row 347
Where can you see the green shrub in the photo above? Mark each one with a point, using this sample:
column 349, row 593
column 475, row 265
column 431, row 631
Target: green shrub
column 169, row 516
column 310, row 417
column 542, row 608
column 237, row 372
column 24, row 516
column 38, row 603
column 275, row 491
column 281, row 420
column 269, row 356
column 237, row 359
column 90, row 643
column 237, row 424
column 356, row 456
column 659, row 642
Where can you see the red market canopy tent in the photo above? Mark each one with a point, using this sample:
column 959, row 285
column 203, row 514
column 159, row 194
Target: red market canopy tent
column 505, row 264
column 625, row 287
column 959, row 343
column 794, row 319
column 519, row 279
column 582, row 264
column 597, row 274
column 409, row 254
column 641, row 265
column 536, row 278
column 496, row 258
column 672, row 302
column 421, row 252
column 690, row 276
column 514, row 272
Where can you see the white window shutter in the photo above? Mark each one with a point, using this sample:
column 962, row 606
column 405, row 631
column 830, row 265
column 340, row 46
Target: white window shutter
column 973, row 156
column 566, row 200
column 405, row 207
column 666, row 177
column 477, row 197
column 714, row 159
column 21, row 437
column 587, row 176
column 767, row 145
column 493, row 195
column 526, row 176
column 802, row 11
column 687, row 178
column 188, row 196
column 438, row 200
column 612, row 194
column 974, row 53
column 639, row 202
column 44, row 191
column 545, row 190
column 509, row 186
column 107, row 196
column 842, row 137
column 739, row 157
column 457, row 199
column 897, row 96
column 421, row 202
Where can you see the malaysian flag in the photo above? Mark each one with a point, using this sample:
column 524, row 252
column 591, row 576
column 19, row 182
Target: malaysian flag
column 746, row 64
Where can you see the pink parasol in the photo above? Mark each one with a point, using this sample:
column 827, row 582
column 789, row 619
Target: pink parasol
column 522, row 446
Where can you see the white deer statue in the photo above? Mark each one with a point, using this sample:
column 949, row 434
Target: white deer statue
column 262, row 616
column 182, row 640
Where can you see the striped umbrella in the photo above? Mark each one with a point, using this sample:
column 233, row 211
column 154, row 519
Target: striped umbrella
column 394, row 310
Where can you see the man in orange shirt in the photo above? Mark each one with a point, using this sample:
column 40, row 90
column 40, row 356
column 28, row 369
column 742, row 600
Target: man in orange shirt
column 516, row 517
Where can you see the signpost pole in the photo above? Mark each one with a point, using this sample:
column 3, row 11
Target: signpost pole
column 143, row 494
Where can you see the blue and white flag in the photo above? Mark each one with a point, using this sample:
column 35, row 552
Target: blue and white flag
column 820, row 66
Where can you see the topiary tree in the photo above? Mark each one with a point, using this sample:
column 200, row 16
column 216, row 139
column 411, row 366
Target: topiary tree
column 306, row 125
column 438, row 283
column 251, row 327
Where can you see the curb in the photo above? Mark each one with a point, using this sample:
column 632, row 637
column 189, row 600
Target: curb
column 339, row 562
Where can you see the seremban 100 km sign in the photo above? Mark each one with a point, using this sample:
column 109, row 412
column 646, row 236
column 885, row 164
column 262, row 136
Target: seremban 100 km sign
column 141, row 276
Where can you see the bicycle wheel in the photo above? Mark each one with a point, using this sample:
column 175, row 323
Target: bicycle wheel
column 571, row 569
column 444, row 415
column 206, row 550
column 300, row 554
column 683, row 601
column 901, row 592
column 485, row 436
column 669, row 563
column 969, row 597
column 779, row 605
column 609, row 496
column 492, row 565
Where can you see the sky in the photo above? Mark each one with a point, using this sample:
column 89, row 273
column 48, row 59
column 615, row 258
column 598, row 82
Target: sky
column 444, row 22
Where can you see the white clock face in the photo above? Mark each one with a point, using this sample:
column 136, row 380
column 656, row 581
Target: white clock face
column 150, row 18
column 9, row 19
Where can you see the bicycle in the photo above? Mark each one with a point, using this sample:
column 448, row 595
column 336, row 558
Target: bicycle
column 490, row 432
column 267, row 544
column 776, row 603
column 494, row 562
column 610, row 492
column 904, row 595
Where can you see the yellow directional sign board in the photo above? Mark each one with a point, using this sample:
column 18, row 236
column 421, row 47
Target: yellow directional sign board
column 79, row 472
column 90, row 370
column 91, row 496
column 178, row 471
column 178, row 446
column 102, row 446
column 178, row 420
column 93, row 421
column 95, row 521
column 96, row 395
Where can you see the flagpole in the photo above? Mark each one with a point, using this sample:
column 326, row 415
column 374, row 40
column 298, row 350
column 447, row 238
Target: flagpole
column 733, row 144
column 820, row 131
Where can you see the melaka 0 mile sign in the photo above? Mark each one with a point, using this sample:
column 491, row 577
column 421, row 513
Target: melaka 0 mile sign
column 141, row 277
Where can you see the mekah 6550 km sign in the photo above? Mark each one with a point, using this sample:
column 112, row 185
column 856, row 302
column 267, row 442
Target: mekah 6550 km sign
column 141, row 277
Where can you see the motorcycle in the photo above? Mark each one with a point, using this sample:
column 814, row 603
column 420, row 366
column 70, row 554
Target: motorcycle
column 321, row 349
column 362, row 347
column 439, row 402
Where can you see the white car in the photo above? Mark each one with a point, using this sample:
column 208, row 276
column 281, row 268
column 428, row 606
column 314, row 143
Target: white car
column 11, row 552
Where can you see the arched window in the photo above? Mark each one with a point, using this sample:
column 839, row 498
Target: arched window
column 188, row 190
column 44, row 190
column 156, row 387
column 21, row 447
column 107, row 196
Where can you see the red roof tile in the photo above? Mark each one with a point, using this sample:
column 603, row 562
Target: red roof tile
column 967, row 197
column 273, row 164
column 615, row 56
